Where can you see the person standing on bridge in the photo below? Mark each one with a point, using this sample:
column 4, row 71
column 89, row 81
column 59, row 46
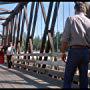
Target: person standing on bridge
column 10, row 52
column 76, row 38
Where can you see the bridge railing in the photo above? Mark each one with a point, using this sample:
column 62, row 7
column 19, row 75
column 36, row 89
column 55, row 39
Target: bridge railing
column 34, row 58
column 54, row 68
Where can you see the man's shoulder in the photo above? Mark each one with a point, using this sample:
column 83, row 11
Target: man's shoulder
column 76, row 16
column 73, row 17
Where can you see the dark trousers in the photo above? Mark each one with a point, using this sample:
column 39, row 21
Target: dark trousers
column 9, row 60
column 77, row 58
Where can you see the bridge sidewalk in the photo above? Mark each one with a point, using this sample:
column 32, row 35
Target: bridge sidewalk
column 12, row 78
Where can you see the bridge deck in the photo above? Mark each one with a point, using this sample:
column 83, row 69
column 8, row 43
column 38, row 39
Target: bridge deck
column 13, row 78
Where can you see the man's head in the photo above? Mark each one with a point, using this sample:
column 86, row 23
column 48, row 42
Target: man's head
column 10, row 43
column 80, row 7
column 87, row 9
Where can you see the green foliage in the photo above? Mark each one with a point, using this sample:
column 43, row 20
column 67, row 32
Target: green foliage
column 37, row 42
column 23, row 45
column 57, row 41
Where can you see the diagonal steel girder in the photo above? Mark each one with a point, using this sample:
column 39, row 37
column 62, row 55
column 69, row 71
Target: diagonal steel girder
column 15, row 11
column 46, row 27
column 33, row 27
column 18, row 29
column 22, row 25
column 6, row 2
column 52, row 25
column 3, row 9
column 29, row 25
column 51, row 31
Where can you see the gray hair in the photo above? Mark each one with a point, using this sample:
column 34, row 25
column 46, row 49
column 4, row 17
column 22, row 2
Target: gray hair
column 87, row 9
column 80, row 7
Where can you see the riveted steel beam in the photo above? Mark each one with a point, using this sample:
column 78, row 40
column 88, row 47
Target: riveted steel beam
column 15, row 11
column 29, row 26
column 46, row 27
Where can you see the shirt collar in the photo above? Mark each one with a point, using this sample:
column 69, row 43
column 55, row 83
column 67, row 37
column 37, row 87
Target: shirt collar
column 82, row 14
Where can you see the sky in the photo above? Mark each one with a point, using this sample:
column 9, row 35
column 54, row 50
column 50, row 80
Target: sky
column 65, row 9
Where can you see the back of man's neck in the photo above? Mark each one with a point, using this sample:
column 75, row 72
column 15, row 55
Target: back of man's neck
column 82, row 13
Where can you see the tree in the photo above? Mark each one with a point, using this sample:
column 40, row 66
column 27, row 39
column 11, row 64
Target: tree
column 36, row 43
column 57, row 41
column 23, row 45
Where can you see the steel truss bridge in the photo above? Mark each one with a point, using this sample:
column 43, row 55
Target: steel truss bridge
column 32, row 70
